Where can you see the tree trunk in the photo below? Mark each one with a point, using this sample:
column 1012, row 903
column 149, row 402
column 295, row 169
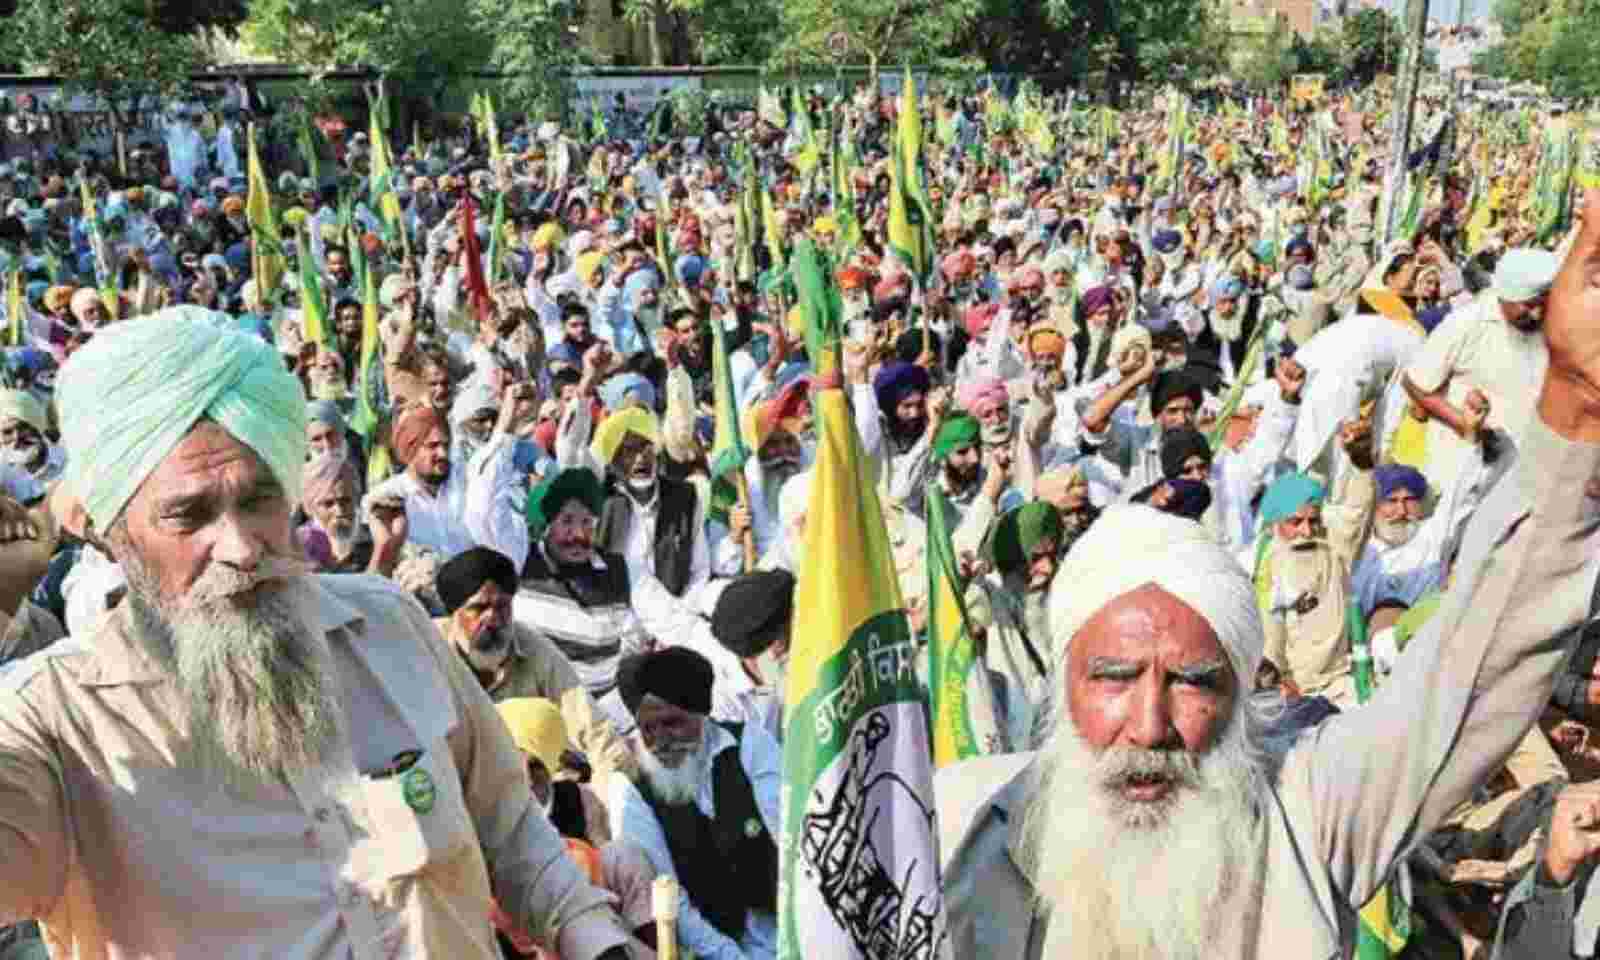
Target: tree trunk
column 653, row 25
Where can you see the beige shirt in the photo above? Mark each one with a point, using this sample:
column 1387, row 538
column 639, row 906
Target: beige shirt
column 123, row 851
column 1475, row 349
column 538, row 668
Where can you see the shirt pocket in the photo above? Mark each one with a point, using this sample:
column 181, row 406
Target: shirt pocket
column 417, row 818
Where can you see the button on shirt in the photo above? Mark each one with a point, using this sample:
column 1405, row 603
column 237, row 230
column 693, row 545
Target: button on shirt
column 122, row 849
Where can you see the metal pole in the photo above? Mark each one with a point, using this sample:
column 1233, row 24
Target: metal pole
column 1405, row 104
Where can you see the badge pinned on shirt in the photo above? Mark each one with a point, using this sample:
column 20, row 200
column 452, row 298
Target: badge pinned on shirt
column 752, row 828
column 418, row 789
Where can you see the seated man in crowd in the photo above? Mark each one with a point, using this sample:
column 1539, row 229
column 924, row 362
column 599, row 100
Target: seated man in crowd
column 512, row 660
column 705, row 808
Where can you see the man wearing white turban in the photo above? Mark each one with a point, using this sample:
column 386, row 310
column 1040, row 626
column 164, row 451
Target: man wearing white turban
column 348, row 778
column 1159, row 819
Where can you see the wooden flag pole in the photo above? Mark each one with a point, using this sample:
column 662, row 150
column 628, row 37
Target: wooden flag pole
column 743, row 486
column 664, row 900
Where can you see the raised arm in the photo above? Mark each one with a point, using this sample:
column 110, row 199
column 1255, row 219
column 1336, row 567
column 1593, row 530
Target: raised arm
column 1471, row 683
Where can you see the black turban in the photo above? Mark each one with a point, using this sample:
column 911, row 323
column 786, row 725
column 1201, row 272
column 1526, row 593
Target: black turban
column 466, row 573
column 750, row 610
column 1178, row 446
column 677, row 675
column 1171, row 384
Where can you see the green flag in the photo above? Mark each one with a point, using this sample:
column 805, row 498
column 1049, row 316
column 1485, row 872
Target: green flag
column 961, row 701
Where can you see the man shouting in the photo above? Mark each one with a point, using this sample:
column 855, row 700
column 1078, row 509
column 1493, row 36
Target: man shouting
column 1158, row 820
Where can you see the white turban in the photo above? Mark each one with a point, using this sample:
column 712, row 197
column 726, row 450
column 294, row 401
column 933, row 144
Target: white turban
column 129, row 396
column 1132, row 545
column 1126, row 336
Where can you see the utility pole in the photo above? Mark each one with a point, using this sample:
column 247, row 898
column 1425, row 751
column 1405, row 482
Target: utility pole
column 1405, row 104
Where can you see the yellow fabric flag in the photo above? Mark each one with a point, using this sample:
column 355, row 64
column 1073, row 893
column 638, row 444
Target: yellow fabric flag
column 266, row 259
column 858, row 773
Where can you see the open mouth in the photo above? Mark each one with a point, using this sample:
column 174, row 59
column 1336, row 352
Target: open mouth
column 1146, row 787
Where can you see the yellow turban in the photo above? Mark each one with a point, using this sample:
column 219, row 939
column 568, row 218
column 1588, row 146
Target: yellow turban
column 536, row 728
column 825, row 225
column 547, row 237
column 589, row 264
column 57, row 298
column 614, row 428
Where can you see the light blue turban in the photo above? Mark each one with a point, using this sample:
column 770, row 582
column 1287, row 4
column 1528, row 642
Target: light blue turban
column 615, row 392
column 1288, row 494
column 129, row 396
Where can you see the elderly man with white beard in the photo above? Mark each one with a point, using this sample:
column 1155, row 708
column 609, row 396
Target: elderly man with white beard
column 306, row 771
column 23, row 445
column 705, row 807
column 1157, row 821
column 1406, row 556
column 1302, row 562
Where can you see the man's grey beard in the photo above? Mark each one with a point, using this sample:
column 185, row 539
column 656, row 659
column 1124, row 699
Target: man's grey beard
column 255, row 680
column 1230, row 327
column 1395, row 533
column 1123, row 879
column 675, row 786
column 1303, row 566
column 488, row 650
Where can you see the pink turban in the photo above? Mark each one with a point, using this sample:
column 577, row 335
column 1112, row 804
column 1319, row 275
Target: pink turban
column 323, row 475
column 960, row 263
column 978, row 319
column 1029, row 276
column 979, row 397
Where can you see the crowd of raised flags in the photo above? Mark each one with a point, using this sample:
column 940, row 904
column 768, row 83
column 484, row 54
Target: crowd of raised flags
column 830, row 271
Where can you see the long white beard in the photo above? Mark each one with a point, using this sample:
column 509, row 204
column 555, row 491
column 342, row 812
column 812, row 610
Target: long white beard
column 1229, row 328
column 1395, row 533
column 675, row 786
column 253, row 676
column 1133, row 881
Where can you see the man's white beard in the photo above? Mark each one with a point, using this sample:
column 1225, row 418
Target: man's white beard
column 675, row 786
column 1229, row 328
column 21, row 457
column 255, row 680
column 1131, row 881
column 1395, row 533
column 1304, row 566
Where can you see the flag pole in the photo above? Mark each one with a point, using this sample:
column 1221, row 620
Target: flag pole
column 742, row 485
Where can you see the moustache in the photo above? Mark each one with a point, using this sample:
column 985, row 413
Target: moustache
column 489, row 640
column 1127, row 766
column 221, row 582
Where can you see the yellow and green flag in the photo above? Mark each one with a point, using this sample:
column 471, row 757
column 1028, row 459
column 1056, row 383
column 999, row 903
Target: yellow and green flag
column 266, row 258
column 364, row 419
column 728, row 450
column 313, row 309
column 859, row 874
column 961, row 702
column 910, row 233
column 16, row 309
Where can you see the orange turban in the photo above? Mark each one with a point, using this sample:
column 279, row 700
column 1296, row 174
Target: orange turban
column 412, row 428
